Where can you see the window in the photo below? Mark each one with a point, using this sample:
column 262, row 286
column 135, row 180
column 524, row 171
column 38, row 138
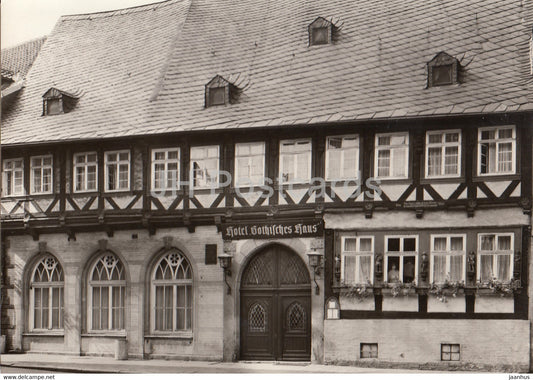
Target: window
column 41, row 174
column 320, row 32
column 442, row 70
column 357, row 259
column 171, row 294
column 54, row 106
column 342, row 157
column 450, row 352
column 106, row 294
column 392, row 155
column 333, row 308
column 204, row 166
column 496, row 150
column 442, row 75
column 443, row 154
column 85, row 172
column 249, row 164
column 448, row 258
column 117, row 167
column 46, row 295
column 13, row 177
column 495, row 253
column 295, row 161
column 369, row 350
column 401, row 258
column 165, row 168
column 217, row 96
column 218, row 91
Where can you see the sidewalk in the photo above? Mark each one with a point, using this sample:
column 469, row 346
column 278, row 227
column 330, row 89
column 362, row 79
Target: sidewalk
column 90, row 364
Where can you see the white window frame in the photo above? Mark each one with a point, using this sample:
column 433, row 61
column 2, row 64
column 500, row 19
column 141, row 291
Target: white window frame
column 378, row 148
column 401, row 253
column 174, row 283
column 448, row 253
column 191, row 169
column 495, row 253
column 85, row 166
column 497, row 141
column 10, row 191
column 50, row 285
column 250, row 157
column 166, row 161
column 358, row 254
column 42, row 167
column 342, row 163
column 296, row 154
column 111, row 284
column 443, row 145
column 118, row 162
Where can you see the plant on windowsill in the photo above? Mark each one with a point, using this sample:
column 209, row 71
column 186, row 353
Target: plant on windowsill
column 401, row 288
column 503, row 288
column 358, row 291
column 446, row 289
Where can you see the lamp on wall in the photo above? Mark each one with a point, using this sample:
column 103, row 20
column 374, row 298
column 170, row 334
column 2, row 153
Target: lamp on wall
column 315, row 262
column 225, row 263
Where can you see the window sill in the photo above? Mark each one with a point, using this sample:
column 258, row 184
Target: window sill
column 396, row 181
column 496, row 177
column 87, row 193
column 45, row 333
column 105, row 334
column 185, row 336
column 110, row 193
column 432, row 180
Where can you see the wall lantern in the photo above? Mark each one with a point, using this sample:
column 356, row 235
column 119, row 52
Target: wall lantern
column 315, row 262
column 225, row 263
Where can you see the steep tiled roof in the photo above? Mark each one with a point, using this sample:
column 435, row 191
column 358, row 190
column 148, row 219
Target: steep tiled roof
column 376, row 69
column 18, row 59
column 111, row 60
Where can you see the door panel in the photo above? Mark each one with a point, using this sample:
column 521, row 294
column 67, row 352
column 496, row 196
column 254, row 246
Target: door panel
column 296, row 338
column 257, row 325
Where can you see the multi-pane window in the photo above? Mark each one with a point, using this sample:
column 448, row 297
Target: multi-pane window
column 165, row 169
column 392, row 155
column 495, row 257
column 450, row 352
column 46, row 295
column 497, row 150
column 448, row 258
column 368, row 350
column 400, row 258
column 342, row 157
column 443, row 154
column 295, row 161
column 107, row 292
column 13, row 177
column 117, row 170
column 205, row 166
column 41, row 174
column 357, row 259
column 249, row 164
column 172, row 294
column 85, row 171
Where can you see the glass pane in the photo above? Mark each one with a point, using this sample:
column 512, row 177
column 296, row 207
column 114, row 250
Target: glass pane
column 105, row 307
column 350, row 244
column 434, row 161
column 505, row 157
column 349, row 269
column 409, row 244
column 399, row 163
column 159, row 307
column 504, row 243
column 439, row 268
column 393, row 244
column 45, row 308
column 435, row 138
column 505, row 133
column 456, row 268
column 393, row 267
column 365, row 266
column 168, row 307
column 383, row 163
column 96, row 309
column 486, row 267
column 451, row 160
column 487, row 242
column 408, row 268
column 456, row 243
column 452, row 137
column 504, row 267
column 365, row 244
column 38, row 303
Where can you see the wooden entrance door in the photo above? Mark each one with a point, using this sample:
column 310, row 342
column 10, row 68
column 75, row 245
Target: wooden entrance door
column 276, row 307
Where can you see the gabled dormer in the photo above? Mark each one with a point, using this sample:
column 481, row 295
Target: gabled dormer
column 320, row 32
column 56, row 102
column 219, row 91
column 442, row 70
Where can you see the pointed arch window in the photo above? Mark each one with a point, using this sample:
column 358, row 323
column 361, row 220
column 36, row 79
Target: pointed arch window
column 106, row 294
column 171, row 294
column 46, row 295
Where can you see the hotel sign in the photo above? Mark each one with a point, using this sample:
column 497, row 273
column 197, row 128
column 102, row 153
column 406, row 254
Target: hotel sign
column 299, row 229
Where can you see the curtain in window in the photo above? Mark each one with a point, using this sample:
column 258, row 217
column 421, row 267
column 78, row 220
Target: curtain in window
column 434, row 161
column 365, row 264
column 488, row 157
column 349, row 269
column 439, row 244
column 47, row 294
column 439, row 268
column 504, row 267
column 384, row 163
column 505, row 157
column 456, row 268
column 486, row 267
column 451, row 160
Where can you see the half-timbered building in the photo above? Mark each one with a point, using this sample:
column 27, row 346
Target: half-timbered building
column 362, row 172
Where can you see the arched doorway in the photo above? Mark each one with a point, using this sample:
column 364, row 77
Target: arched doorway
column 275, row 306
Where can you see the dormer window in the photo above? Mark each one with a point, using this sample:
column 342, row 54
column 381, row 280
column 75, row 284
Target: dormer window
column 56, row 102
column 320, row 32
column 442, row 70
column 219, row 92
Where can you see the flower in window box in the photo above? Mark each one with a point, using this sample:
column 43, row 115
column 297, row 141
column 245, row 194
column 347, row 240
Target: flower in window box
column 448, row 288
column 359, row 291
column 402, row 288
column 503, row 288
